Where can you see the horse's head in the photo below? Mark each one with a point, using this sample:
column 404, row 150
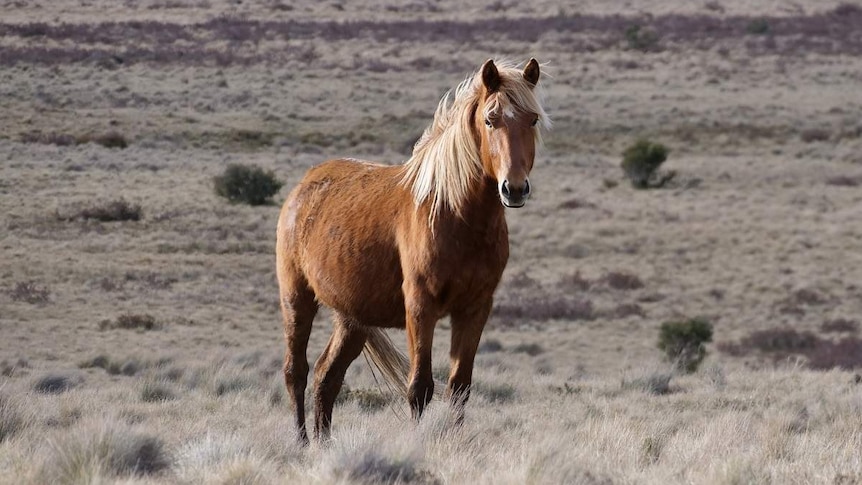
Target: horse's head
column 507, row 119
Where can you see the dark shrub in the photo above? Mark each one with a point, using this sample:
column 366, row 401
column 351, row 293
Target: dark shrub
column 30, row 292
column 131, row 321
column 838, row 325
column 844, row 181
column 641, row 39
column 628, row 309
column 530, row 349
column 247, row 184
column 758, row 27
column 812, row 135
column 682, row 342
column 54, row 384
column 641, row 160
column 113, row 211
column 781, row 340
column 489, row 346
column 108, row 140
column 623, row 281
column 784, row 343
column 843, row 354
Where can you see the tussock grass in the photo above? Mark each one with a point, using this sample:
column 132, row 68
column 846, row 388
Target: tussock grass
column 96, row 451
column 784, row 424
column 56, row 383
column 12, row 417
column 153, row 390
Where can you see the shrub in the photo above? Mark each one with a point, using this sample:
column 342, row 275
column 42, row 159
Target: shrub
column 844, row 181
column 641, row 160
column 758, row 27
column 619, row 280
column 519, row 308
column 812, row 135
column 640, row 39
column 30, row 292
column 108, row 140
column 54, row 384
column 838, row 325
column 113, row 211
column 247, row 184
column 130, row 321
column 784, row 343
column 628, row 309
column 683, row 342
column 490, row 346
column 532, row 350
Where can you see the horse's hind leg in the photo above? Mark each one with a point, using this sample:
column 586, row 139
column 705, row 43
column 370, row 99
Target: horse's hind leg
column 344, row 347
column 298, row 307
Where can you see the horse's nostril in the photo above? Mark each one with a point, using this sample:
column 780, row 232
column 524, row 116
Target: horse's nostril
column 505, row 188
column 526, row 188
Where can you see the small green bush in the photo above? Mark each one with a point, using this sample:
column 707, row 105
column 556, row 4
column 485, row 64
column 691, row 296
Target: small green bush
column 758, row 27
column 640, row 39
column 247, row 184
column 682, row 342
column 641, row 160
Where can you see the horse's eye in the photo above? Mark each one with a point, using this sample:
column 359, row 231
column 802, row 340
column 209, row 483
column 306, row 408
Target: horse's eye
column 534, row 122
column 488, row 123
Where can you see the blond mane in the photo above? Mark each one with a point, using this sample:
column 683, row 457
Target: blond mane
column 446, row 161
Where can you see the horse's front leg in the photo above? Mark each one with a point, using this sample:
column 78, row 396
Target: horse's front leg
column 421, row 320
column 467, row 326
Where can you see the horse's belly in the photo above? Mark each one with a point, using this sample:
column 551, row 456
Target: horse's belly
column 359, row 279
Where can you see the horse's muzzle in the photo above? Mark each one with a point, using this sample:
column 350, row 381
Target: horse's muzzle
column 513, row 196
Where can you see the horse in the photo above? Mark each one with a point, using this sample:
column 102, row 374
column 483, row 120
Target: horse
column 402, row 246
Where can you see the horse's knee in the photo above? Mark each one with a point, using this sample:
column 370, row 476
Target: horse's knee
column 295, row 375
column 419, row 394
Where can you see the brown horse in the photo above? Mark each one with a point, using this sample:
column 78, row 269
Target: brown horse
column 403, row 246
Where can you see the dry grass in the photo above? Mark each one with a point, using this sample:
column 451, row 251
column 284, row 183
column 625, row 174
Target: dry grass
column 759, row 230
column 779, row 426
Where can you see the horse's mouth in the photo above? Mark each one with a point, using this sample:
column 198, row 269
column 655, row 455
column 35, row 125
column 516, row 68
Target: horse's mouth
column 514, row 204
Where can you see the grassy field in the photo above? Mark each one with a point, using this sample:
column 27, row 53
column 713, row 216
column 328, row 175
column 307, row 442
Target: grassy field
column 148, row 350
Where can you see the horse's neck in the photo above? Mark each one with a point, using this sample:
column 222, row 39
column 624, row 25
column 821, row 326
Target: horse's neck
column 482, row 212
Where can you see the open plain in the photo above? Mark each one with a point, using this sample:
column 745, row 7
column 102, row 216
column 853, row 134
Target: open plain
column 759, row 233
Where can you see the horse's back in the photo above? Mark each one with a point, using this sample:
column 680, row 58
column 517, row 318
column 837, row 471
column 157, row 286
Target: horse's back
column 337, row 234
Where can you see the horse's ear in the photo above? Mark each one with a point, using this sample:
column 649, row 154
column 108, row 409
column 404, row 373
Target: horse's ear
column 531, row 72
column 490, row 76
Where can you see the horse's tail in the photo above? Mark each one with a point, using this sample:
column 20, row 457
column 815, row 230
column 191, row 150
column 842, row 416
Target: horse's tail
column 390, row 361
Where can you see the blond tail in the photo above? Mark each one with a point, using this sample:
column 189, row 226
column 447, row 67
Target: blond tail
column 393, row 364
